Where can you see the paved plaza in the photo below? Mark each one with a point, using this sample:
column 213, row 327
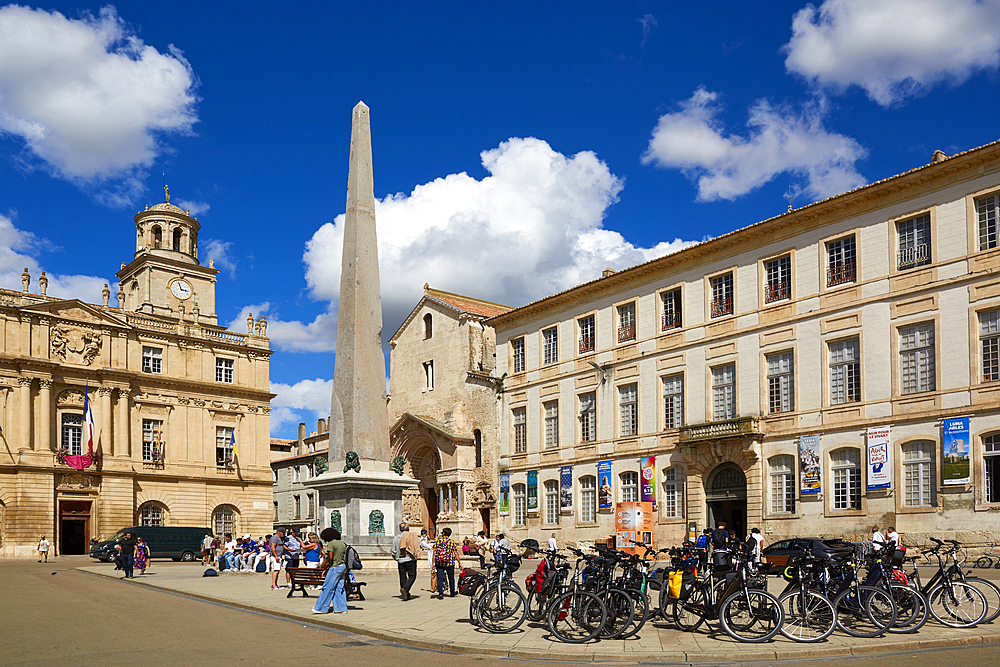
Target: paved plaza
column 430, row 623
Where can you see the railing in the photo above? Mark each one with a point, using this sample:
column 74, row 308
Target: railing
column 228, row 336
column 722, row 307
column 586, row 344
column 917, row 255
column 671, row 320
column 626, row 332
column 728, row 428
column 838, row 275
column 149, row 323
column 778, row 291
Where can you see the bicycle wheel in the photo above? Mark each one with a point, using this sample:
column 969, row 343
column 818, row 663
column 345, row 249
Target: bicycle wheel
column 864, row 611
column 536, row 606
column 963, row 606
column 502, row 611
column 576, row 617
column 621, row 608
column 751, row 616
column 473, row 603
column 984, row 562
column 641, row 601
column 911, row 609
column 991, row 592
column 689, row 614
column 809, row 617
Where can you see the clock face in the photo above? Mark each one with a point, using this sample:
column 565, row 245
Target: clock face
column 181, row 289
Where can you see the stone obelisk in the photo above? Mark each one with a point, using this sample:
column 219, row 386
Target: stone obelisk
column 366, row 504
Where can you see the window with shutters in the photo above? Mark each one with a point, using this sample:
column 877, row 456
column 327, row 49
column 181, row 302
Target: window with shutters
column 671, row 317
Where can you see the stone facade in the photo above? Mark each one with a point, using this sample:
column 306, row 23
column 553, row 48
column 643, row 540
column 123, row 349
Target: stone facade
column 298, row 461
column 878, row 307
column 168, row 388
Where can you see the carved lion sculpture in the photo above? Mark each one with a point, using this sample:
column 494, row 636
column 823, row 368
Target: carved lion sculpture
column 321, row 465
column 396, row 465
column 352, row 462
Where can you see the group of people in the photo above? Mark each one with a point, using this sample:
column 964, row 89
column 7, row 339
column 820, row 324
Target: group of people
column 722, row 539
column 131, row 554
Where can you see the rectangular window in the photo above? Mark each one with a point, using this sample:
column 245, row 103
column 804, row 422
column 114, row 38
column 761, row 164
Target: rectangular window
column 778, row 279
column 224, row 446
column 918, row 474
column 630, row 487
column 588, row 500
column 297, row 474
column 550, row 345
column 152, row 440
column 628, row 397
column 914, row 242
column 298, row 507
column 551, row 423
column 989, row 339
column 152, row 515
column 72, row 434
column 671, row 310
column 673, row 401
column 673, row 494
column 517, row 352
column 722, row 295
column 520, row 419
column 312, row 507
column 845, row 372
column 724, row 392
column 991, row 466
column 588, row 417
column 552, row 502
column 588, row 339
column 782, row 488
column 223, row 370
column 780, row 383
column 841, row 262
column 428, row 375
column 987, row 212
column 846, row 465
column 152, row 360
column 916, row 358
column 626, row 322
column 520, row 505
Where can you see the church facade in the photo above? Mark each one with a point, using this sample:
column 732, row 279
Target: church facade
column 181, row 405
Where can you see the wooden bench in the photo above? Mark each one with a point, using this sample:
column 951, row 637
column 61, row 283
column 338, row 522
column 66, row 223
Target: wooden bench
column 300, row 577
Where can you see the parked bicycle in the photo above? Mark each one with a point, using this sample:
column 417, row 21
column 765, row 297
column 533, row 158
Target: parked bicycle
column 502, row 607
column 951, row 601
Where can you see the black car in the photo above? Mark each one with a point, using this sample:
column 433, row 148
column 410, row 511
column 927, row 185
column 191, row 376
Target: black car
column 779, row 552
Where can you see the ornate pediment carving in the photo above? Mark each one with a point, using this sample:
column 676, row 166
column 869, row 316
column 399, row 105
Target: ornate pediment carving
column 77, row 481
column 75, row 345
column 484, row 496
column 70, row 397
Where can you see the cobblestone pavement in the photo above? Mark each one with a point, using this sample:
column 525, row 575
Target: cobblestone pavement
column 444, row 624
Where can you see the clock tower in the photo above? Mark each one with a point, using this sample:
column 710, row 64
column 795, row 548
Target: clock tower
column 165, row 277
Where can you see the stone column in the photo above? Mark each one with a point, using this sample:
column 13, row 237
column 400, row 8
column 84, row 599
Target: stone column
column 45, row 414
column 120, row 445
column 24, row 432
column 106, row 438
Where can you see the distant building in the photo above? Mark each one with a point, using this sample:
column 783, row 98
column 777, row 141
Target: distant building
column 181, row 405
column 294, row 505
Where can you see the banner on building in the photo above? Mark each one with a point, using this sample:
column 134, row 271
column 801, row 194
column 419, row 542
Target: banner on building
column 647, row 470
column 809, row 464
column 566, row 488
column 879, row 458
column 605, row 492
column 956, row 451
column 633, row 523
column 504, row 504
column 532, row 490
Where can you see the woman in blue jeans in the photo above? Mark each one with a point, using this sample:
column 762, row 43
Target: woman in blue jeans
column 334, row 586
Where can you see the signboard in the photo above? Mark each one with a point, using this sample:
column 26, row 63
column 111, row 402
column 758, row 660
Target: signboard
column 633, row 522
column 566, row 488
column 532, row 490
column 809, row 464
column 504, row 505
column 879, row 458
column 956, row 451
column 605, row 492
column 647, row 470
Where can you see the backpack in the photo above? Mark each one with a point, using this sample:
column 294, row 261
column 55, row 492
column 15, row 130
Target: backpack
column 702, row 541
column 262, row 566
column 441, row 553
column 351, row 559
column 719, row 538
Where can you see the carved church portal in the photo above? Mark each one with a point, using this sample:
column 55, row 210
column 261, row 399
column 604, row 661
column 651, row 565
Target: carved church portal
column 726, row 496
column 74, row 527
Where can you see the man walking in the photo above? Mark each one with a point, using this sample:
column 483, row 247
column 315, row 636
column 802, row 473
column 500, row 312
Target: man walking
column 406, row 551
column 43, row 550
column 126, row 551
column 445, row 559
column 276, row 557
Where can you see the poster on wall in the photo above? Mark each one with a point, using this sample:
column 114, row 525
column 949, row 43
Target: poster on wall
column 956, row 451
column 532, row 490
column 504, row 504
column 566, row 488
column 879, row 459
column 633, row 523
column 809, row 464
column 604, row 489
column 647, row 470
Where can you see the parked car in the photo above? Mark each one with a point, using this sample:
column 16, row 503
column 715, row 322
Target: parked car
column 177, row 542
column 778, row 553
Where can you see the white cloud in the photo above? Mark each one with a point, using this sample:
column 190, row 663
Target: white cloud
column 88, row 98
column 531, row 228
column 16, row 247
column 292, row 336
column 780, row 140
column 214, row 249
column 194, row 208
column 292, row 401
column 894, row 48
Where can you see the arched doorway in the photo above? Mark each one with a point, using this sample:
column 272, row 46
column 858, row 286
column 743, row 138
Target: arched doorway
column 726, row 496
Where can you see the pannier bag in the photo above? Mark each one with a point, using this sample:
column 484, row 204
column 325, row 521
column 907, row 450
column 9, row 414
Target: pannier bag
column 722, row 560
column 470, row 582
column 898, row 555
column 674, row 582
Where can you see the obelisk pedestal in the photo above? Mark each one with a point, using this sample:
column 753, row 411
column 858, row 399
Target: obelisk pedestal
column 359, row 489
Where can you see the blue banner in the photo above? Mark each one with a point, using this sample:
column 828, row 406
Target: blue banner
column 956, row 451
column 605, row 491
column 532, row 490
column 566, row 488
column 504, row 505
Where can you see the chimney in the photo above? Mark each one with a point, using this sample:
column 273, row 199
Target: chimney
column 321, row 425
column 302, row 432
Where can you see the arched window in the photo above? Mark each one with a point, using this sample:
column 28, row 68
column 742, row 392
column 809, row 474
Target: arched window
column 428, row 326
column 177, row 239
column 224, row 520
column 991, row 466
column 673, row 493
column 520, row 504
column 782, row 486
column 151, row 514
column 552, row 502
column 157, row 237
column 630, row 487
column 919, row 474
column 478, row 436
column 845, row 465
column 588, row 499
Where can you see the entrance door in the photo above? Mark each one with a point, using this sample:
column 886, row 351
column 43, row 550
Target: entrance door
column 432, row 510
column 485, row 513
column 726, row 495
column 74, row 527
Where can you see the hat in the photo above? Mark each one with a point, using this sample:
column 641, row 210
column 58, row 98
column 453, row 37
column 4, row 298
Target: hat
column 247, row 536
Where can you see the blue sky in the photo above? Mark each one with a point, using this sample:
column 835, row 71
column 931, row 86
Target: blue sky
column 518, row 149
